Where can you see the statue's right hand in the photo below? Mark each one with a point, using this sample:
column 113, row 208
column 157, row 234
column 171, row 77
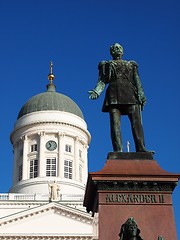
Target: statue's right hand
column 93, row 95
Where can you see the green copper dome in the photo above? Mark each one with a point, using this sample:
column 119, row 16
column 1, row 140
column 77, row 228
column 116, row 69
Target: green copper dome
column 50, row 100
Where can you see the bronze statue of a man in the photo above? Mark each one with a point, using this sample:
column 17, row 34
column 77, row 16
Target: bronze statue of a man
column 124, row 96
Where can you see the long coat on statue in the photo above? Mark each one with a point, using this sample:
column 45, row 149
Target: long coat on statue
column 124, row 84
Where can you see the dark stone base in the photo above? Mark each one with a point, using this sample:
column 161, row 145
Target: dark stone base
column 132, row 185
column 130, row 155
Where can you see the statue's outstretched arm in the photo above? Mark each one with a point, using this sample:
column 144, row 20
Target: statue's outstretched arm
column 95, row 93
column 99, row 88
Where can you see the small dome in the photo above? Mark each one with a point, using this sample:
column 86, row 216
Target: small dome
column 50, row 100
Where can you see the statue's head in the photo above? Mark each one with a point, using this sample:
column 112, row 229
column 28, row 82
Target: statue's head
column 129, row 230
column 116, row 50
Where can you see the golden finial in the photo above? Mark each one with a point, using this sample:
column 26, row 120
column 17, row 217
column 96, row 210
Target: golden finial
column 51, row 75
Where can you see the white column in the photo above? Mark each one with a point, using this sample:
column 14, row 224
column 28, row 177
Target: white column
column 60, row 164
column 25, row 153
column 76, row 158
column 42, row 160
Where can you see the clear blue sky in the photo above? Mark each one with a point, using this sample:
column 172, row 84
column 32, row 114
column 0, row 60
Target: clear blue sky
column 76, row 35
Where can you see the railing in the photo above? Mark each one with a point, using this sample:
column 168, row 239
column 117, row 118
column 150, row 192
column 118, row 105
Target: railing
column 38, row 197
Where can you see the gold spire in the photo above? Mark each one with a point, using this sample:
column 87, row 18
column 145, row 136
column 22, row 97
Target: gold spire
column 51, row 75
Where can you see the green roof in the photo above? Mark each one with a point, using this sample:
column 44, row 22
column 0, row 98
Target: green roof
column 50, row 100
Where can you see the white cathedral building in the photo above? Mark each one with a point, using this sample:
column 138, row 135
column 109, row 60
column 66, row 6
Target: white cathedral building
column 50, row 141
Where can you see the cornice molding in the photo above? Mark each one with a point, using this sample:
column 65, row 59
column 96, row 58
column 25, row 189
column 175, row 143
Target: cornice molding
column 38, row 203
column 31, row 237
column 50, row 122
column 41, row 123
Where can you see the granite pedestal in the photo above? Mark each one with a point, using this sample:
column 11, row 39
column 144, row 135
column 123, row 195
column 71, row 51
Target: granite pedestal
column 132, row 185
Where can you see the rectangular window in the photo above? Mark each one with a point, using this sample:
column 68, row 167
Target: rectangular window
column 80, row 153
column 21, row 152
column 68, row 148
column 20, row 172
column 33, row 173
column 80, row 172
column 68, row 169
column 34, row 148
column 51, row 167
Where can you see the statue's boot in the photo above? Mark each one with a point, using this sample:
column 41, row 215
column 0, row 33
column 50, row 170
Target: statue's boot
column 137, row 128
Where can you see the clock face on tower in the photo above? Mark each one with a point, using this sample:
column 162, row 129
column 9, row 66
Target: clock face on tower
column 51, row 145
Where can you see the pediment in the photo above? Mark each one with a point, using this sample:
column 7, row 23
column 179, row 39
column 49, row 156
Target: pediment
column 52, row 218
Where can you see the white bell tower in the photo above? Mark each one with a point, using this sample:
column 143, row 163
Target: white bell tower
column 50, row 141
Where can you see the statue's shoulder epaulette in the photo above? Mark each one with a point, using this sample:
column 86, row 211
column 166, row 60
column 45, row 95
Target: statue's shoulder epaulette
column 101, row 64
column 134, row 63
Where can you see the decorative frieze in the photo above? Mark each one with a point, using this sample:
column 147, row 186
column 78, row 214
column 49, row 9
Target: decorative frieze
column 135, row 186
